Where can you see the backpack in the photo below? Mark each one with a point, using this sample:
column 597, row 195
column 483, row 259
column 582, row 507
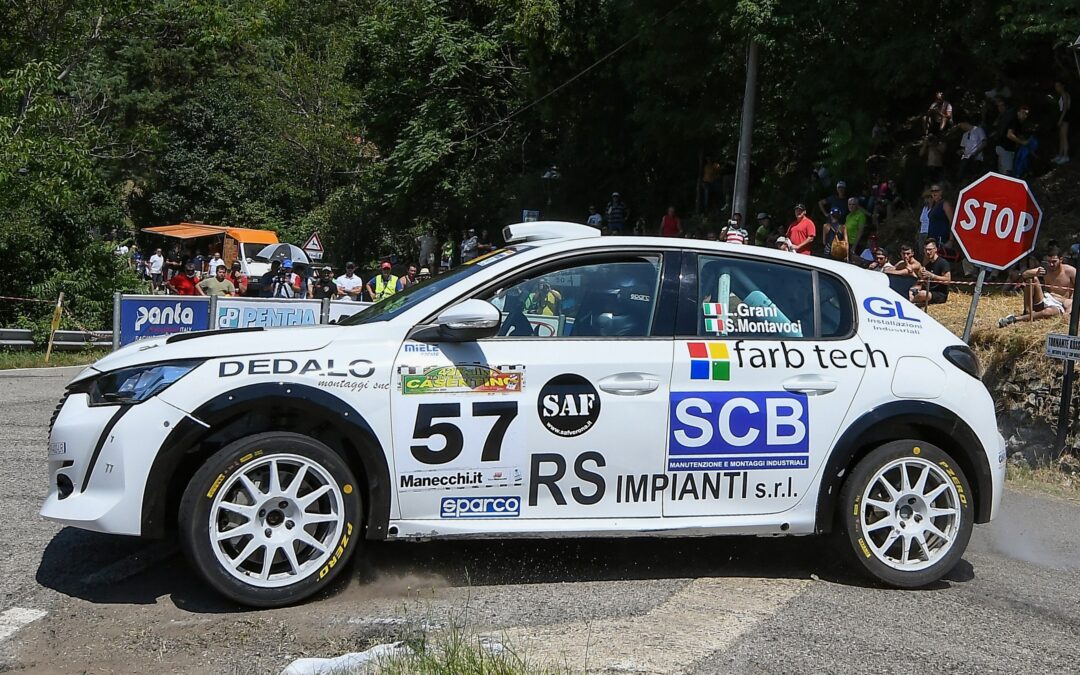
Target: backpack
column 839, row 247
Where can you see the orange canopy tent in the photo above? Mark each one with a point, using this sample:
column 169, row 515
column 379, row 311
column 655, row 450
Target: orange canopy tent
column 193, row 230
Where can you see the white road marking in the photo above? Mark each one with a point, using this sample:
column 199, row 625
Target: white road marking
column 15, row 618
column 704, row 616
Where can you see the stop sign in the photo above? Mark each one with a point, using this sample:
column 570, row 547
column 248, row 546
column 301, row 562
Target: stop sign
column 996, row 221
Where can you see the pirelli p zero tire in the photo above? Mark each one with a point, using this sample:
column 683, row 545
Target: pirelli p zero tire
column 270, row 519
column 907, row 513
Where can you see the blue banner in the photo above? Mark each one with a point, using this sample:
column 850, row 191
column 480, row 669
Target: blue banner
column 142, row 318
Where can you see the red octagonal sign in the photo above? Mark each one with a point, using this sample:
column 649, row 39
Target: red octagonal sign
column 996, row 221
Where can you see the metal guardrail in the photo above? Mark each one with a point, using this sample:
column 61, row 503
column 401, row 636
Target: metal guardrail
column 66, row 340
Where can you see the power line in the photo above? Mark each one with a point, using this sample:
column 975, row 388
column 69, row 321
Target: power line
column 580, row 74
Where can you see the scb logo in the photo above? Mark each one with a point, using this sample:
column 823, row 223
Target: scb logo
column 480, row 507
column 729, row 423
column 887, row 309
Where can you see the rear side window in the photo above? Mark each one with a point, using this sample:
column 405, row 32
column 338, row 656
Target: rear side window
column 837, row 317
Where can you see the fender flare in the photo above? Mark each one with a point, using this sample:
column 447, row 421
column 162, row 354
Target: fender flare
column 905, row 419
column 310, row 401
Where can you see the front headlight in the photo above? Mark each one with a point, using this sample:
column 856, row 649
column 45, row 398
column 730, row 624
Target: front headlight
column 136, row 384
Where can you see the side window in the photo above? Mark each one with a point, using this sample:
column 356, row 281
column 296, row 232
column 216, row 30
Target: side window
column 837, row 317
column 603, row 298
column 742, row 298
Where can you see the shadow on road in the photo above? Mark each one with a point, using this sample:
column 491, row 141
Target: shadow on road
column 110, row 569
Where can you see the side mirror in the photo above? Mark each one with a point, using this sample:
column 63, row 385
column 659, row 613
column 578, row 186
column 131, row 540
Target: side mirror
column 464, row 322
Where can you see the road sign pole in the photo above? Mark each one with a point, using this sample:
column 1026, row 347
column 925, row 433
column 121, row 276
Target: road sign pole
column 974, row 305
column 1066, row 386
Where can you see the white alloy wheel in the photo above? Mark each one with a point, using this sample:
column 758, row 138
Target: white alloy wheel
column 910, row 514
column 276, row 521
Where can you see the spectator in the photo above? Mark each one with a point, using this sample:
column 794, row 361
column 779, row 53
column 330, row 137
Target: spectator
column 1028, row 144
column 286, row 283
column 783, row 244
column 734, row 233
column 764, row 231
column 239, row 280
column 184, row 283
column 157, row 264
column 938, row 116
column 934, row 276
column 801, row 232
column 617, row 214
column 266, row 281
column 427, row 243
column 384, row 284
column 835, row 236
column 972, row 144
column 215, row 263
column 671, row 224
column 1010, row 139
column 940, row 215
column 836, row 201
column 924, row 220
column 408, row 280
column 200, row 262
column 323, row 286
column 933, row 149
column 710, row 235
column 469, row 246
column 1039, row 301
column 1065, row 115
column 594, row 219
column 483, row 243
column 349, row 285
column 544, row 300
column 856, row 222
column 710, row 182
column 447, row 257
column 217, row 284
column 881, row 261
column 908, row 266
column 639, row 227
column 424, row 275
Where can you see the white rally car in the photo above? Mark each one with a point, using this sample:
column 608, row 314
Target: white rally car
column 567, row 385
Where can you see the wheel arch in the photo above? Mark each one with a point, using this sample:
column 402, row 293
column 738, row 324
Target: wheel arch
column 897, row 420
column 252, row 409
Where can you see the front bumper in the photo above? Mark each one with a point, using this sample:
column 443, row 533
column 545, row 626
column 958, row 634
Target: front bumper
column 99, row 460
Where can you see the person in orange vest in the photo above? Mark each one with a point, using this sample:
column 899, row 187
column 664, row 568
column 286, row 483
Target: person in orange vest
column 382, row 285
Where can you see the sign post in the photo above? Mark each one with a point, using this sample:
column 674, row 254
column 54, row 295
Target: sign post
column 313, row 246
column 996, row 223
column 54, row 325
column 1065, row 347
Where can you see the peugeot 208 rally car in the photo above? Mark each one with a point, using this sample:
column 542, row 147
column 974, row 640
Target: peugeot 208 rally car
column 566, row 385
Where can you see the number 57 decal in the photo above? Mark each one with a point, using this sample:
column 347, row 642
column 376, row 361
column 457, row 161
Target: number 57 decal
column 427, row 428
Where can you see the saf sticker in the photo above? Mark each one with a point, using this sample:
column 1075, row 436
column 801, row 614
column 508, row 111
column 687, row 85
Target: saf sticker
column 568, row 405
column 738, row 430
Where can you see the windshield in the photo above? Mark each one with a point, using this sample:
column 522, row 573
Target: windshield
column 387, row 309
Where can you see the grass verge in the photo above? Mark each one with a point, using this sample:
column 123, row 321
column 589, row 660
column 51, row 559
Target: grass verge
column 1053, row 479
column 36, row 359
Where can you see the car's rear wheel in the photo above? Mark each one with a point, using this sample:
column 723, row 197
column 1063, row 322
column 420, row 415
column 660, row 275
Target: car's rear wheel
column 907, row 513
column 271, row 518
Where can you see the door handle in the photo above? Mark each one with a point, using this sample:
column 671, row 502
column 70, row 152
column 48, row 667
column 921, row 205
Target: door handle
column 811, row 385
column 630, row 384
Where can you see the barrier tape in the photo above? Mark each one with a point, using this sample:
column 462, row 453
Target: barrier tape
column 11, row 297
column 94, row 333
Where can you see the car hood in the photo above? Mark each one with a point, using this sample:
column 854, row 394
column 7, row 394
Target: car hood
column 215, row 343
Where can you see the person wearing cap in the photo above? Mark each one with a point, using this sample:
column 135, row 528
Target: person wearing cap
column 408, row 280
column 184, row 283
column 323, row 286
column 470, row 245
column 802, row 232
column 764, row 232
column 834, row 231
column 617, row 214
column 287, row 282
column 836, row 201
column 237, row 278
column 349, row 285
column 424, row 275
column 382, row 285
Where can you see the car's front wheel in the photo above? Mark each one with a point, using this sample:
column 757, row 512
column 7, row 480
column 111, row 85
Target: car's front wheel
column 907, row 513
column 270, row 519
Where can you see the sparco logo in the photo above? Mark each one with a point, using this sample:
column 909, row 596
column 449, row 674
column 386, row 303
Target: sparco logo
column 568, row 405
column 157, row 316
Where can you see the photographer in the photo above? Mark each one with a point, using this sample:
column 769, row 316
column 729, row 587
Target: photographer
column 734, row 233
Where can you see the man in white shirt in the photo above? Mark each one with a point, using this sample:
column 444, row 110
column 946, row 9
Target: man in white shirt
column 470, row 246
column 157, row 263
column 349, row 285
column 971, row 150
column 215, row 263
column 595, row 219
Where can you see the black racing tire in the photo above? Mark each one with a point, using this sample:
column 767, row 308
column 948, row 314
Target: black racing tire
column 866, row 532
column 275, row 514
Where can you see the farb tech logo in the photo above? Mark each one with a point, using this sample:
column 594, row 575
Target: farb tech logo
column 709, row 361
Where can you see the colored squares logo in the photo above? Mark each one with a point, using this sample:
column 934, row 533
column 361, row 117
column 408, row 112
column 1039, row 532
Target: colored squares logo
column 709, row 361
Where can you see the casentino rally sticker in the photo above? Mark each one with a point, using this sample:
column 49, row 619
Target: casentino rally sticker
column 568, row 405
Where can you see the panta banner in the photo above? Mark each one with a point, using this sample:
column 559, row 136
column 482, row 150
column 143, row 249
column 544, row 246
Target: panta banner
column 140, row 317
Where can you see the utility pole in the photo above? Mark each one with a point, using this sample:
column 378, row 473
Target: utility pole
column 746, row 128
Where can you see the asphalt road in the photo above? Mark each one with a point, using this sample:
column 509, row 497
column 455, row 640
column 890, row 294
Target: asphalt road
column 72, row 601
